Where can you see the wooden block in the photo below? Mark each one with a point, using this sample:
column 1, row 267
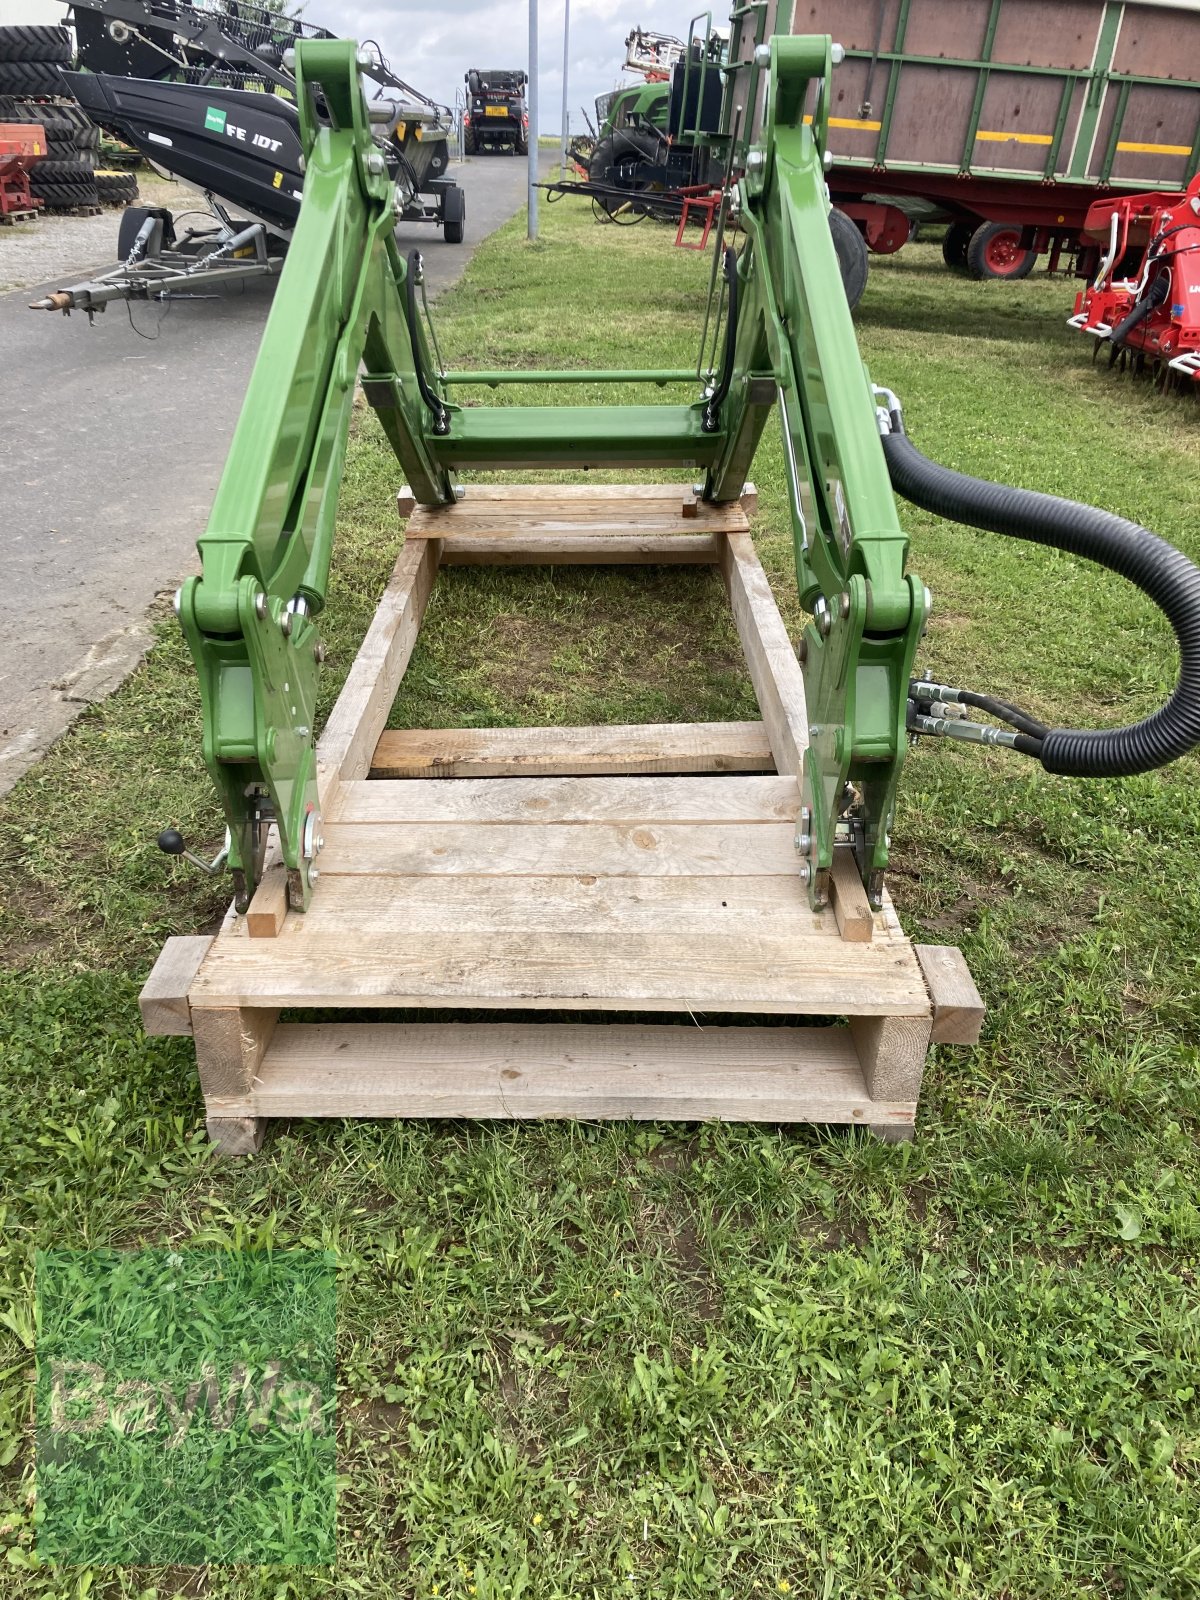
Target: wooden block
column 770, row 657
column 958, row 1007
column 230, row 1041
column 892, row 1052
column 749, row 499
column 528, row 752
column 268, row 908
column 753, row 1074
column 849, row 899
column 898, row 1132
column 406, row 501
column 164, row 997
column 237, row 1136
column 690, row 506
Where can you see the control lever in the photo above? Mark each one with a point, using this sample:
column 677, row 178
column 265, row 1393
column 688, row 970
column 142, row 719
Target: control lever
column 172, row 843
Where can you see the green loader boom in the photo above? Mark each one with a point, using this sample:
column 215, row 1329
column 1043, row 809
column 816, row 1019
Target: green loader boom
column 347, row 297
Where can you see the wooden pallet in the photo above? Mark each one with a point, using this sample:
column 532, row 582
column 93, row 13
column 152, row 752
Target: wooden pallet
column 645, row 870
column 8, row 218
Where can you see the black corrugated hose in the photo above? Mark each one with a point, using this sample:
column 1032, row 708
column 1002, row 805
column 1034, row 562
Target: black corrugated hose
column 1158, row 569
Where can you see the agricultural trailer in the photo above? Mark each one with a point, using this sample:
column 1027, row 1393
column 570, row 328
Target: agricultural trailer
column 727, row 869
column 1005, row 118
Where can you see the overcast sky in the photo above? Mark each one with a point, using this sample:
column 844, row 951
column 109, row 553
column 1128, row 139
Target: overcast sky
column 432, row 45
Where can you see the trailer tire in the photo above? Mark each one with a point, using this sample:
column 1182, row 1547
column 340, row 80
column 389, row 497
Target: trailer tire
column 62, row 125
column 454, row 214
column 31, row 78
column 32, row 43
column 956, row 244
column 995, row 252
column 851, row 250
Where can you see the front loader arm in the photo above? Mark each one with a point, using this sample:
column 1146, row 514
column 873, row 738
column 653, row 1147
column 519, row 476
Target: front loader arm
column 796, row 352
column 250, row 616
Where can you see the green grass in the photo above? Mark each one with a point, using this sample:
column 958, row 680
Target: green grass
column 679, row 1361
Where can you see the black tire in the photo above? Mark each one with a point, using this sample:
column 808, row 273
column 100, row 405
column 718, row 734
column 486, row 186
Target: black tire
column 67, row 170
column 116, row 188
column 470, row 144
column 851, row 250
column 994, row 252
column 63, row 125
column 64, row 196
column 35, row 44
column 454, row 214
column 522, row 147
column 30, row 78
column 956, row 243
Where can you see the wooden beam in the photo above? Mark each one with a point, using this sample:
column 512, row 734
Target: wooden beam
column 958, row 1008
column 892, row 1052
column 581, row 549
column 356, row 721
column 641, row 799
column 849, row 899
column 529, row 752
column 406, row 502
column 781, row 1074
column 230, row 1043
column 770, row 656
column 164, row 998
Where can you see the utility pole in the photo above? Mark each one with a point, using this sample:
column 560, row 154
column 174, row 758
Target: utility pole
column 566, row 74
column 533, row 118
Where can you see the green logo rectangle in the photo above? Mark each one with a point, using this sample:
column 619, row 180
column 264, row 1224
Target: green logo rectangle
column 214, row 119
column 185, row 1407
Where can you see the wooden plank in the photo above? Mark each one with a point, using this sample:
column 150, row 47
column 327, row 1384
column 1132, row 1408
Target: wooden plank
column 499, row 493
column 573, row 800
column 668, row 906
column 611, row 971
column 849, row 899
column 356, row 721
column 550, row 522
column 770, row 657
column 528, row 752
column 164, row 998
column 268, row 908
column 749, row 499
column 599, row 849
column 550, row 1070
column 406, row 501
column 573, row 550
column 230, row 1043
column 958, row 1008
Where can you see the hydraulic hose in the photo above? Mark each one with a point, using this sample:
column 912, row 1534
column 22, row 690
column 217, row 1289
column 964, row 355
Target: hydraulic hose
column 441, row 417
column 1150, row 301
column 710, row 420
column 1158, row 569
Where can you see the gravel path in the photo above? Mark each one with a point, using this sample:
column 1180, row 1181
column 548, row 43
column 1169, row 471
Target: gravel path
column 60, row 247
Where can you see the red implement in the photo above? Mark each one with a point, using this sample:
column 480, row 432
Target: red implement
column 1144, row 301
column 21, row 144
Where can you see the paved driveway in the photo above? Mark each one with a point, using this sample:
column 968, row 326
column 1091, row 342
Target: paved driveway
column 111, row 447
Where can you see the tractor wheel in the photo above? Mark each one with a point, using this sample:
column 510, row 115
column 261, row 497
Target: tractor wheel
column 116, row 188
column 62, row 169
column 955, row 245
column 62, row 125
column 470, row 144
column 35, row 44
column 63, row 196
column 31, row 78
column 851, row 250
column 522, row 147
column 454, row 214
column 995, row 252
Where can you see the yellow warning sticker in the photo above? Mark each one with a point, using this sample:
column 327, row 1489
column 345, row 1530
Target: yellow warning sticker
column 277, row 180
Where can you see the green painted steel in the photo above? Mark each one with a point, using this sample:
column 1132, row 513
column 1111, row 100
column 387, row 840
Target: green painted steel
column 496, row 380
column 1085, row 133
column 251, row 617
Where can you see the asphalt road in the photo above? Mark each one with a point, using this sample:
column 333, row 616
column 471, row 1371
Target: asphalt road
column 111, row 447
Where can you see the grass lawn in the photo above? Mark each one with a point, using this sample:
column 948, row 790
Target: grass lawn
column 691, row 1361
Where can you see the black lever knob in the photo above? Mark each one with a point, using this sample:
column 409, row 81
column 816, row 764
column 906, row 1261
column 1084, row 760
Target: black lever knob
column 171, row 842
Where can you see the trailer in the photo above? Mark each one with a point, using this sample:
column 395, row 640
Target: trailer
column 1005, row 118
